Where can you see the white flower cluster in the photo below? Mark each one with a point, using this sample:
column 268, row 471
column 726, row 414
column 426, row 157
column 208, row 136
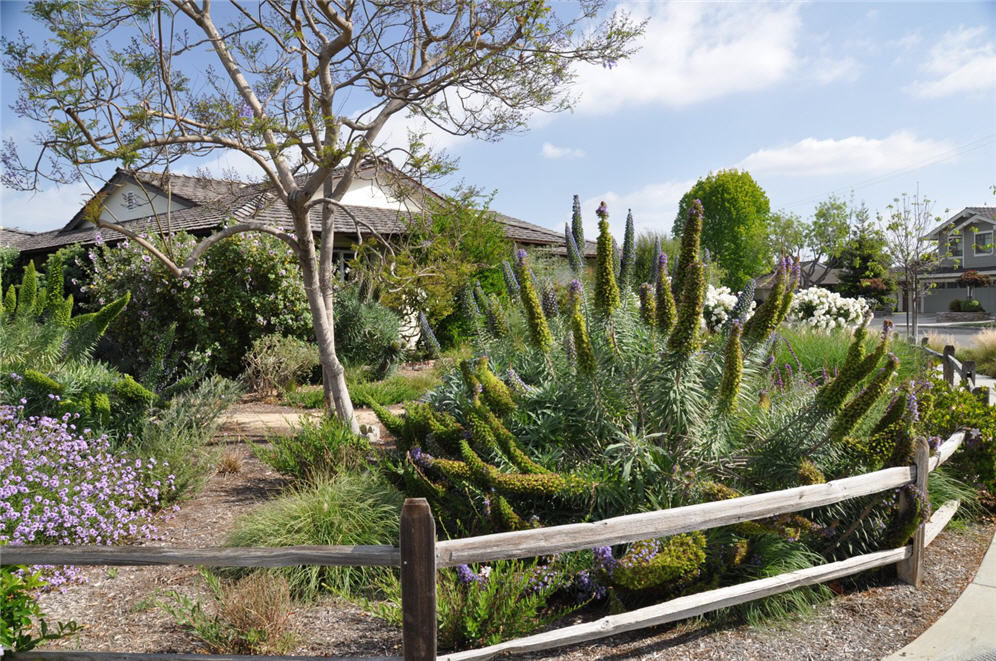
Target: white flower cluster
column 718, row 304
column 825, row 310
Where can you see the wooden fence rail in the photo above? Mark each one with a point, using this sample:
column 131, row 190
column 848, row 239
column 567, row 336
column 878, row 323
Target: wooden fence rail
column 419, row 556
column 950, row 366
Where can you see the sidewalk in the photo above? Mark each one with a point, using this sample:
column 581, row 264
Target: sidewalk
column 967, row 632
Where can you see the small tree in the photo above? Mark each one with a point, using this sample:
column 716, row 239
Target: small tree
column 826, row 236
column 734, row 228
column 786, row 233
column 299, row 88
column 972, row 279
column 864, row 264
column 913, row 253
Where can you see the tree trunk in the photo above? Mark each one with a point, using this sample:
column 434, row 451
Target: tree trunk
column 337, row 400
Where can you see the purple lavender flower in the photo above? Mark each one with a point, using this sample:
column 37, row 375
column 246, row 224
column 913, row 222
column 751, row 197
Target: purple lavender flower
column 604, row 560
column 602, row 211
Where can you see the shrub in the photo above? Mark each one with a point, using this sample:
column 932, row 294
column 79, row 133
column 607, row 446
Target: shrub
column 254, row 278
column 64, row 486
column 347, row 509
column 316, row 450
column 367, row 333
column 275, row 363
column 252, row 616
column 954, row 305
column 953, row 408
column 971, row 305
column 20, row 613
column 825, row 310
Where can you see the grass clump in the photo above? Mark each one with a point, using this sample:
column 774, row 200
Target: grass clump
column 345, row 509
column 251, row 616
column 395, row 389
column 317, row 449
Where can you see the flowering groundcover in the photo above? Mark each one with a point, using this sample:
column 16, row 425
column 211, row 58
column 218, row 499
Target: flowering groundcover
column 63, row 485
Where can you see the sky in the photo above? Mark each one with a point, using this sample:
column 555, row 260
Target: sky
column 812, row 99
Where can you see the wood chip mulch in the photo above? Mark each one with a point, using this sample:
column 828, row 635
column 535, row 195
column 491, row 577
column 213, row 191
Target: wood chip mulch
column 870, row 620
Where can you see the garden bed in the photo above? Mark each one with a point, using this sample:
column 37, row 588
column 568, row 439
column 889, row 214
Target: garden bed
column 876, row 617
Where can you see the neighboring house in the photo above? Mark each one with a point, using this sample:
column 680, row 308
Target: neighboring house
column 380, row 202
column 813, row 275
column 965, row 242
column 11, row 237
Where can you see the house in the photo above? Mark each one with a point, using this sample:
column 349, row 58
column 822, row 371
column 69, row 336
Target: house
column 814, row 274
column 381, row 202
column 965, row 242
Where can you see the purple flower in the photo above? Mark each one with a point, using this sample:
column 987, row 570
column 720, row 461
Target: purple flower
column 602, row 211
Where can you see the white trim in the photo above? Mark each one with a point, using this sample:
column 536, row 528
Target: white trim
column 961, row 242
column 975, row 244
column 974, row 219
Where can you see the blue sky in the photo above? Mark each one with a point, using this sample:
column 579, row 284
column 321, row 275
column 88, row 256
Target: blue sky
column 811, row 98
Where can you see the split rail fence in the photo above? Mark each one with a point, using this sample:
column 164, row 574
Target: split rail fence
column 419, row 556
column 951, row 366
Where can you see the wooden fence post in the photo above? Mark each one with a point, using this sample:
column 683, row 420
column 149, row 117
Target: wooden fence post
column 948, row 365
column 911, row 570
column 418, row 580
column 924, row 340
column 968, row 374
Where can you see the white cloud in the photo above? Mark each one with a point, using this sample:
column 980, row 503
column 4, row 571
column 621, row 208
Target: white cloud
column 44, row 210
column 694, row 52
column 827, row 70
column 856, row 154
column 907, row 41
column 963, row 61
column 550, row 150
column 654, row 207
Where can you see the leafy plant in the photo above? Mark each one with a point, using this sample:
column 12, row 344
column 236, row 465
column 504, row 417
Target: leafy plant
column 316, row 450
column 276, row 363
column 20, row 613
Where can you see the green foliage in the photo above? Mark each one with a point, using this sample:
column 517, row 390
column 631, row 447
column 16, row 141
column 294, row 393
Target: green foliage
column 367, row 333
column 317, row 450
column 254, row 278
column 865, row 265
column 343, row 510
column 8, row 258
column 954, row 408
column 539, row 329
column 23, row 625
column 276, row 363
column 735, row 224
column 649, row 246
column 649, row 563
column 252, row 616
column 606, row 288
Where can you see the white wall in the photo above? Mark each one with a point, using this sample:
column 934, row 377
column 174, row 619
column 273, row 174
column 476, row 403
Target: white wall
column 144, row 202
column 369, row 193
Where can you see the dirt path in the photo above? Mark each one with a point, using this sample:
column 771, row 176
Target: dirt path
column 258, row 421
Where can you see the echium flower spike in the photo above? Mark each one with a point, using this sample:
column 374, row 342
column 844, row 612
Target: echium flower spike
column 733, row 370
column 577, row 230
column 579, row 331
column 574, row 257
column 428, row 337
column 628, row 261
column 468, row 305
column 667, row 311
column 550, row 306
column 831, row 395
column 856, row 409
column 539, row 330
column 765, row 318
column 690, row 238
column 648, row 305
column 616, row 260
column 511, row 284
column 655, row 267
column 742, row 306
column 684, row 339
column 893, row 413
column 606, row 289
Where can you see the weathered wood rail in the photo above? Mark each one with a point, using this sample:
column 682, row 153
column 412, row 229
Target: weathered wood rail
column 951, row 366
column 419, row 557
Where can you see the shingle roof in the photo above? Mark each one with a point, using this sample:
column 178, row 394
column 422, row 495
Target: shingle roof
column 13, row 237
column 985, row 212
column 218, row 201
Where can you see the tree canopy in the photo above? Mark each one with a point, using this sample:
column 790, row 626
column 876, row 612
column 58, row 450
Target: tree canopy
column 735, row 225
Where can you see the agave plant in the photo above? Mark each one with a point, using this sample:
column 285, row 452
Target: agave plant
column 645, row 408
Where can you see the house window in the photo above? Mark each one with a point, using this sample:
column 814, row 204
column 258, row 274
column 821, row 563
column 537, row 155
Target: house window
column 954, row 245
column 983, row 243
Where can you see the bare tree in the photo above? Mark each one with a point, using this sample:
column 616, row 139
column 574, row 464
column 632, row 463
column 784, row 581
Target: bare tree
column 913, row 252
column 301, row 87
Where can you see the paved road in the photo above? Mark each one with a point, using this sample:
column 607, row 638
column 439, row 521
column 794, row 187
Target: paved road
column 928, row 324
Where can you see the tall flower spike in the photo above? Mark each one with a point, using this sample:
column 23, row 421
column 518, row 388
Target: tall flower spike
column 765, row 318
column 616, row 260
column 690, row 238
column 733, row 369
column 684, row 339
column 539, row 330
column 576, row 228
column 511, row 284
column 606, row 289
column 648, row 305
column 574, row 257
column 579, row 332
column 655, row 266
column 667, row 311
column 742, row 306
column 550, row 306
column 468, row 305
column 428, row 337
column 628, row 254
column 856, row 409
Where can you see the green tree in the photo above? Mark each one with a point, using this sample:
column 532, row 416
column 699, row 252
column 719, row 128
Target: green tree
column 301, row 89
column 786, row 233
column 827, row 234
column 864, row 263
column 735, row 225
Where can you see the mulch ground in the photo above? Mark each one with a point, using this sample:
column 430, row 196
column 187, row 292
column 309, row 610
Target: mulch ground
column 116, row 606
